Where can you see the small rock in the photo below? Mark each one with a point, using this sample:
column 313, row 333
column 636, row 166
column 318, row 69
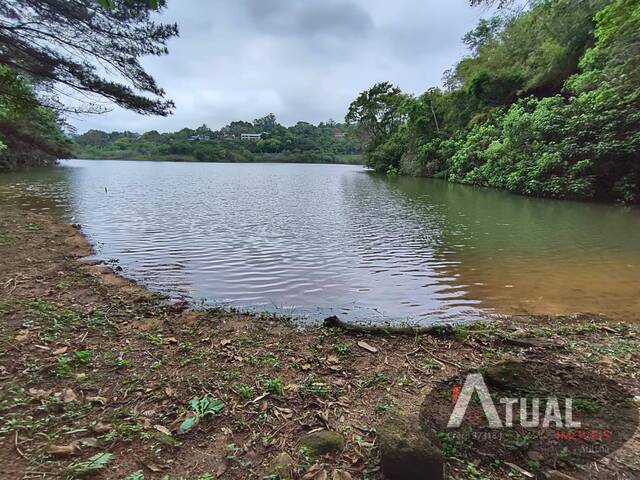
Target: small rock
column 556, row 475
column 407, row 453
column 509, row 375
column 323, row 442
column 536, row 456
column 282, row 466
column 90, row 261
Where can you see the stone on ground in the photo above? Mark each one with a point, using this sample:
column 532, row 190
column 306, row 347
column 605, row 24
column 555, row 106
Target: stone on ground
column 282, row 466
column 322, row 442
column 509, row 376
column 407, row 452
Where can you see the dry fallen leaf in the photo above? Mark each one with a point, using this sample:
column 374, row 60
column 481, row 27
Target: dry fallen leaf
column 22, row 337
column 367, row 347
column 63, row 450
column 89, row 442
column 520, row 470
column 162, row 429
column 100, row 400
column 257, row 399
column 39, row 394
column 340, row 475
column 222, row 468
column 60, row 351
column 316, row 475
column 312, row 472
column 67, row 395
column 153, row 467
column 101, row 427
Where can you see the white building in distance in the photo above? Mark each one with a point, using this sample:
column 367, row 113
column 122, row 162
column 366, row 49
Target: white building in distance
column 251, row 136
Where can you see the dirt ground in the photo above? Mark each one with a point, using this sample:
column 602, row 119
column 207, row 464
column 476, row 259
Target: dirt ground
column 93, row 364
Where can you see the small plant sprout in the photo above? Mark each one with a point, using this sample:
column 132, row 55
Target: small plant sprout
column 201, row 407
column 139, row 475
column 274, row 386
column 89, row 466
column 83, row 356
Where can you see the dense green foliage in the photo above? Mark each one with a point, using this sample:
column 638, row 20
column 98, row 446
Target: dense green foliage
column 303, row 142
column 56, row 56
column 29, row 132
column 546, row 104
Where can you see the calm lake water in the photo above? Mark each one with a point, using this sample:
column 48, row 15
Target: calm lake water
column 316, row 240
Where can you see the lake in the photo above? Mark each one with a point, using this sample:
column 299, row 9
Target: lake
column 312, row 240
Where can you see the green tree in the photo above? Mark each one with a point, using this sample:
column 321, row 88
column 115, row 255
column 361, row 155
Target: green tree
column 375, row 116
column 546, row 104
column 29, row 133
column 81, row 45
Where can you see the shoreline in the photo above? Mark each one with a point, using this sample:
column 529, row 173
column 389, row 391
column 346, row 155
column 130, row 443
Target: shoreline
column 186, row 159
column 92, row 362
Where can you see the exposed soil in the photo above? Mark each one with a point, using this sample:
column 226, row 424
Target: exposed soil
column 90, row 363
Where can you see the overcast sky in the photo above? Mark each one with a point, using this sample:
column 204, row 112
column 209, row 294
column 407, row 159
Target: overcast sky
column 300, row 59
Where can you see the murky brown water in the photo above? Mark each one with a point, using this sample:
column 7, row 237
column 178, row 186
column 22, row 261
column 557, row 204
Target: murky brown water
column 314, row 240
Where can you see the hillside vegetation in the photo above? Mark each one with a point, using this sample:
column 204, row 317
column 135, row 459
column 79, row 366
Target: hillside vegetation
column 547, row 104
column 302, row 142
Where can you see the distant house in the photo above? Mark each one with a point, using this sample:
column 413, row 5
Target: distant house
column 199, row 138
column 254, row 137
column 338, row 133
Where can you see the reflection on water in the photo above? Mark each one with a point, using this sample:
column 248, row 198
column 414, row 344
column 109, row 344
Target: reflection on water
column 315, row 240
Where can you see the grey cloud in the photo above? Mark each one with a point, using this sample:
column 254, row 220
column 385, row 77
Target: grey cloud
column 300, row 59
column 309, row 19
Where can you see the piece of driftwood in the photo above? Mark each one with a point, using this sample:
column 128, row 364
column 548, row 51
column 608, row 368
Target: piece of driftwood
column 444, row 330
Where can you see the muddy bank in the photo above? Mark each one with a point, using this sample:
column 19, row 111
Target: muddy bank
column 92, row 364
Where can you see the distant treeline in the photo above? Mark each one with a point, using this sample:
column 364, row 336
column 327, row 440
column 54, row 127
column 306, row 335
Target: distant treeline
column 547, row 103
column 263, row 140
